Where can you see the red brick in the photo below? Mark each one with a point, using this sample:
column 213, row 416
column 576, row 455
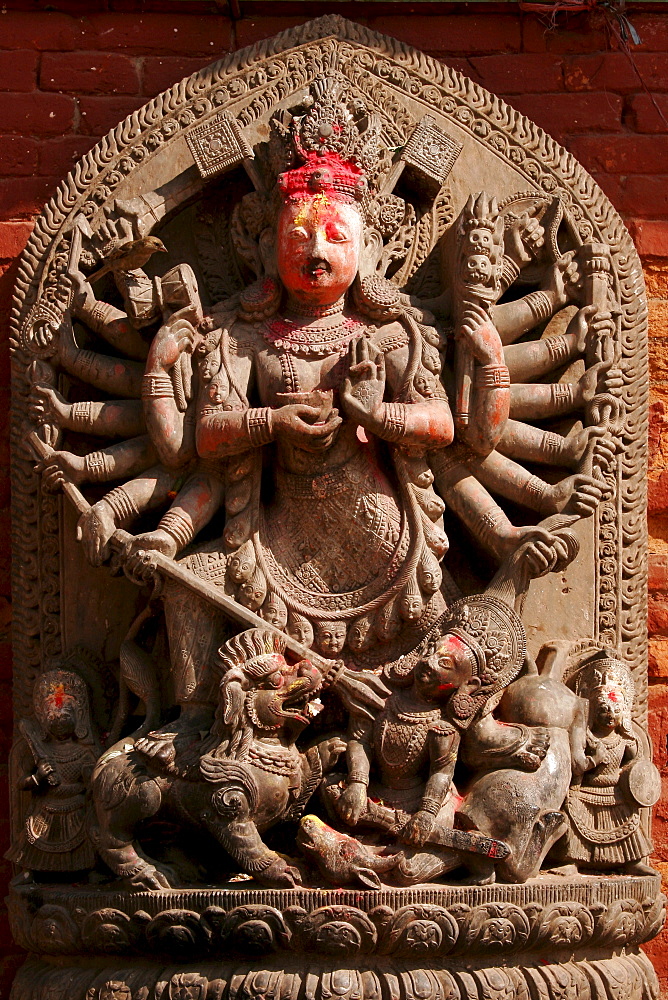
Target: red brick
column 13, row 238
column 25, row 196
column 18, row 155
column 131, row 33
column 657, row 577
column 177, row 34
column 18, row 70
column 89, row 73
column 646, row 196
column 461, row 65
column 577, row 35
column 98, row 115
column 602, row 71
column 38, row 30
column 470, row 33
column 254, row 29
column 518, row 74
column 650, row 236
column 621, row 154
column 58, row 156
column 616, row 71
column 562, row 114
column 649, row 113
column 37, row 114
column 160, row 72
column 653, row 31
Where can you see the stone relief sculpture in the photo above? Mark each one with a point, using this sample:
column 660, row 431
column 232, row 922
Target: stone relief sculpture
column 329, row 413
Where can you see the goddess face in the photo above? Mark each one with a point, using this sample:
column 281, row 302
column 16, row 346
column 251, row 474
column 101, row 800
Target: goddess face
column 608, row 706
column 410, row 607
column 331, row 638
column 318, row 248
column 360, row 636
column 62, row 720
column 301, row 630
column 275, row 613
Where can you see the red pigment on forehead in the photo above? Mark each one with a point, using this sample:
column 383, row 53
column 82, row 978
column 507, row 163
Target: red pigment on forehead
column 613, row 696
column 58, row 695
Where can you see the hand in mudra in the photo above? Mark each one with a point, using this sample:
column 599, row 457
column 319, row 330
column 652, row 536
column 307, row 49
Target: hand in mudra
column 301, row 425
column 364, row 387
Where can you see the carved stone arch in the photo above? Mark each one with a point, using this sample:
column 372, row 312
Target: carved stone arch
column 145, row 167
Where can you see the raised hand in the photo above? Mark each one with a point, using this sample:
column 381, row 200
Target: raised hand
column 329, row 752
column 523, row 239
column 83, row 296
column 364, row 387
column 176, row 337
column 478, row 332
column 563, row 281
column 46, row 406
column 578, row 494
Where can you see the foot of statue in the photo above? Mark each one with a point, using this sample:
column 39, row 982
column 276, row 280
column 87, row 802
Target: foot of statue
column 638, row 868
column 152, row 877
column 161, row 745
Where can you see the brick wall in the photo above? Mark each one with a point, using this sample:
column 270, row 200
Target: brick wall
column 66, row 79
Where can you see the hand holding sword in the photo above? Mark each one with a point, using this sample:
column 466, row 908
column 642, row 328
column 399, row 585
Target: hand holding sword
column 361, row 692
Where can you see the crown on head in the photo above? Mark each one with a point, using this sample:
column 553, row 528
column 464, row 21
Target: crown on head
column 326, row 174
column 495, row 635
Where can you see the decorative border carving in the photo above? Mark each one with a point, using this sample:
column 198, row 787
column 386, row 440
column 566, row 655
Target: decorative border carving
column 627, row 977
column 249, row 83
column 430, row 923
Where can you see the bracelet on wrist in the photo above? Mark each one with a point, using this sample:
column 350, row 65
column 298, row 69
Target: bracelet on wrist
column 394, row 422
column 259, row 425
column 157, row 386
column 492, row 377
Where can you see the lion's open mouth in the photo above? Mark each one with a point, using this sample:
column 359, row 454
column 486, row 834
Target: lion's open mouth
column 293, row 703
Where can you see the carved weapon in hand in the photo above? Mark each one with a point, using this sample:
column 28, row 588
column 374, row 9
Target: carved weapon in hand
column 160, row 563
column 470, row 841
column 39, row 754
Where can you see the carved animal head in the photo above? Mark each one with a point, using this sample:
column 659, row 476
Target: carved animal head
column 261, row 691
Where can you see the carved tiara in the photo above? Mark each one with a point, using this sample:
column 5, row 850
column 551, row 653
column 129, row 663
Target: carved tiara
column 494, row 633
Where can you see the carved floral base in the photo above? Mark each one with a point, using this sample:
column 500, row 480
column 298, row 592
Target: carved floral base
column 628, row 976
column 552, row 937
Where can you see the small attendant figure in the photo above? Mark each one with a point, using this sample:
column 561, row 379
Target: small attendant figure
column 604, row 814
column 53, row 837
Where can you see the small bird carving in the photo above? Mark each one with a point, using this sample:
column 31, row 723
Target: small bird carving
column 129, row 256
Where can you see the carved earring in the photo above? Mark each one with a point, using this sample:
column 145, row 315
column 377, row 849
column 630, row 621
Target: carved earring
column 377, row 297
column 463, row 705
column 261, row 299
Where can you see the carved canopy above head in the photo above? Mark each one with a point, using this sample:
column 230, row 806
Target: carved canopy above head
column 456, row 139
